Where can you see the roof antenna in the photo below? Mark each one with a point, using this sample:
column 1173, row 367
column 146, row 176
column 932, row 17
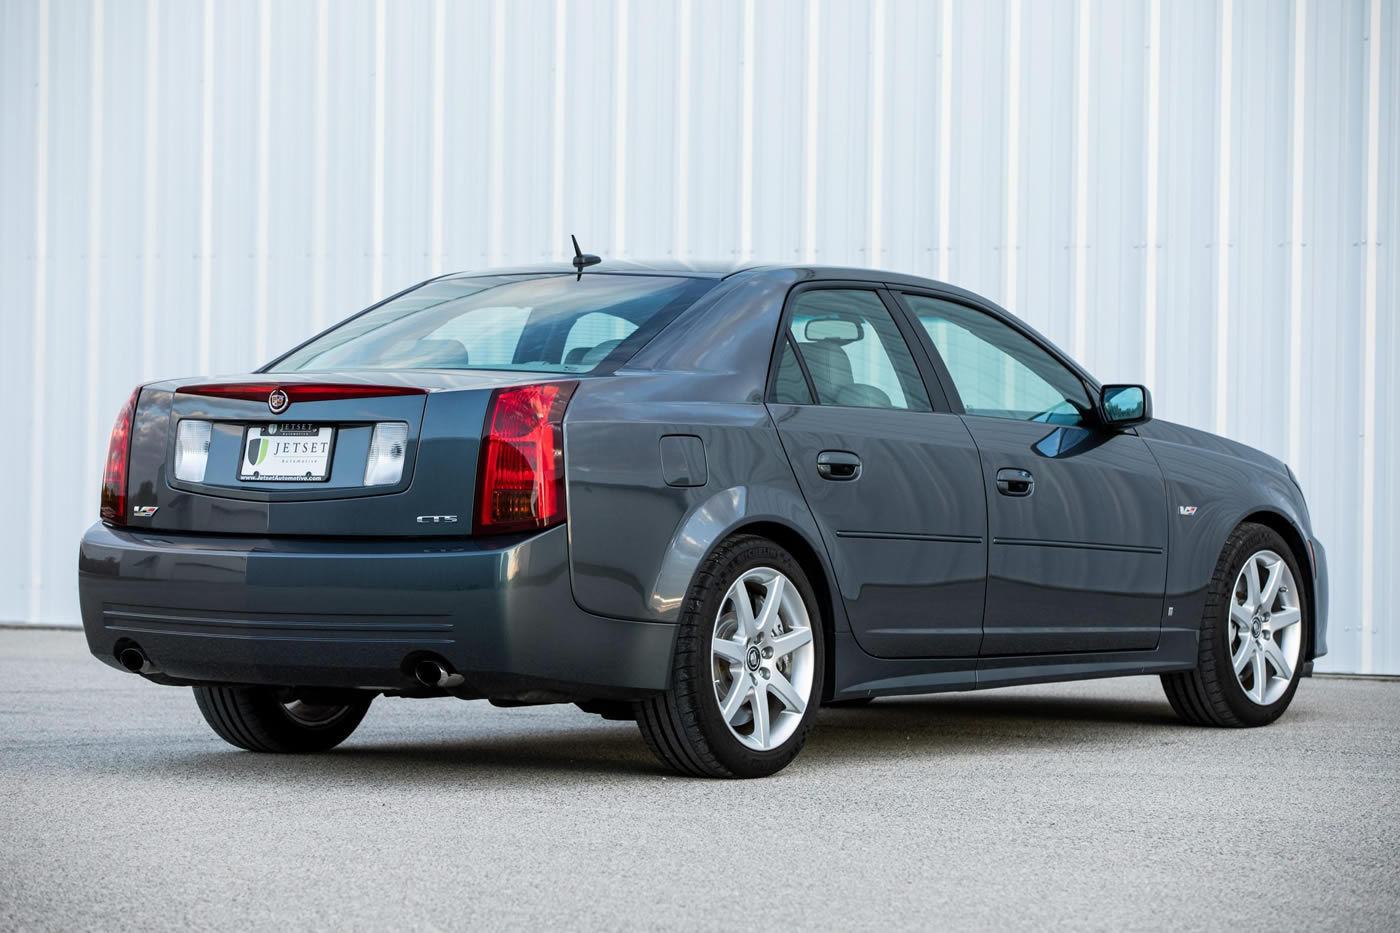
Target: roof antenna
column 581, row 259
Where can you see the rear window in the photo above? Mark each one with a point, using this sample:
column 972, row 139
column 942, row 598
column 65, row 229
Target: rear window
column 557, row 324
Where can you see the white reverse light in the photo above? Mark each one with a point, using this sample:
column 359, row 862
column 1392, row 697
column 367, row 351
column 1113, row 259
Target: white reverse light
column 192, row 450
column 386, row 450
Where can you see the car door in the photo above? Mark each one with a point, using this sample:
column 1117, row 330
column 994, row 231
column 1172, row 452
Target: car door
column 1076, row 512
column 894, row 484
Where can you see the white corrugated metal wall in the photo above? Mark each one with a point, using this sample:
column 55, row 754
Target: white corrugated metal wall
column 1198, row 194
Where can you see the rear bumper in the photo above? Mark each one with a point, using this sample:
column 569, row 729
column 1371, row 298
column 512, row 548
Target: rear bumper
column 357, row 613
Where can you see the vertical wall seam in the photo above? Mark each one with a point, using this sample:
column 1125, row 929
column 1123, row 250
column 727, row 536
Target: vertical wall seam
column 624, row 26
column 1222, row 220
column 561, row 35
column 206, row 191
column 435, row 190
column 945, row 136
column 1368, row 387
column 746, row 139
column 150, row 189
column 39, row 342
column 1081, row 183
column 874, row 238
column 496, row 196
column 809, row 147
column 376, row 278
column 1154, row 129
column 1295, row 237
column 1013, row 155
column 683, row 42
column 96, row 158
column 261, row 248
column 320, row 149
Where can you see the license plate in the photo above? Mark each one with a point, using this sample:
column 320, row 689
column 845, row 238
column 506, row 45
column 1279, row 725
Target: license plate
column 286, row 453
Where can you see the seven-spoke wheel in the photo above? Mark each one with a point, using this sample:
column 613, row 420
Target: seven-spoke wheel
column 762, row 651
column 1254, row 636
column 746, row 679
column 1265, row 634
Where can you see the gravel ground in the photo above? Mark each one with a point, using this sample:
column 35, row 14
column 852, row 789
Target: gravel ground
column 1079, row 805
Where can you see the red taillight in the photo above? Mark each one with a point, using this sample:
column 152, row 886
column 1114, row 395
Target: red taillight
column 520, row 479
column 118, row 454
column 299, row 391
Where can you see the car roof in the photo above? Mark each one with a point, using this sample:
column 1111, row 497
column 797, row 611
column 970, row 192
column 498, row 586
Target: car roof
column 715, row 269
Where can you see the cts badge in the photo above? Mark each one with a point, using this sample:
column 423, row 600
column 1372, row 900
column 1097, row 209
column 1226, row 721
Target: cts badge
column 437, row 519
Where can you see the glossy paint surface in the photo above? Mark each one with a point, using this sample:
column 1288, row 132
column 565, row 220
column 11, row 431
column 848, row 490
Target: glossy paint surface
column 907, row 537
column 930, row 576
column 1080, row 563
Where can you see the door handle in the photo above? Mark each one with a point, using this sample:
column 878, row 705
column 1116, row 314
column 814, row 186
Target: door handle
column 838, row 465
column 1013, row 482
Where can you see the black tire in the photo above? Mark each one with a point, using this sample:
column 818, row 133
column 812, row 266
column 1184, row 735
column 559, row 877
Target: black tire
column 1211, row 695
column 683, row 725
column 258, row 718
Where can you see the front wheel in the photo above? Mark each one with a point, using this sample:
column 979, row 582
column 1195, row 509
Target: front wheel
column 273, row 719
column 1254, row 636
column 746, row 680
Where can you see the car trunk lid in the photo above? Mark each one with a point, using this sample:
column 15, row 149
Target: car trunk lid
column 312, row 454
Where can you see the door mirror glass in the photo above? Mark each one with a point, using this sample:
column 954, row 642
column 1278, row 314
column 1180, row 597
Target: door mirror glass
column 1125, row 405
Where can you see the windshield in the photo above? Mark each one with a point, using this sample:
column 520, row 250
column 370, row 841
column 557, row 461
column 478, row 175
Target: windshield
column 557, row 323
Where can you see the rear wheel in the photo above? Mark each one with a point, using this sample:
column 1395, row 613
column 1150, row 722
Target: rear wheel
column 1253, row 640
column 273, row 719
column 746, row 680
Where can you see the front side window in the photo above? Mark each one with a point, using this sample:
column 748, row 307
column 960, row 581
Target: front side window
column 998, row 371
column 853, row 351
column 554, row 323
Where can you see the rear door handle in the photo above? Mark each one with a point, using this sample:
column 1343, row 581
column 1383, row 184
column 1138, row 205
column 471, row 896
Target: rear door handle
column 1014, row 482
column 838, row 465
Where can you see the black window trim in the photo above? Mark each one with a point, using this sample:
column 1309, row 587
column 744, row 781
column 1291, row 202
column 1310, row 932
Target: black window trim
column 933, row 386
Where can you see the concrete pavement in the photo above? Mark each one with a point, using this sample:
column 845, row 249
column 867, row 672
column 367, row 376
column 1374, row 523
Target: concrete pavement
column 1082, row 805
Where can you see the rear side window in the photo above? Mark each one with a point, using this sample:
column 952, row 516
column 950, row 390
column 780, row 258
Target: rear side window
column 854, row 354
column 791, row 385
column 555, row 323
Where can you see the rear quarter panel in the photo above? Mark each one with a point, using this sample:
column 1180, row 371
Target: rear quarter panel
column 634, row 541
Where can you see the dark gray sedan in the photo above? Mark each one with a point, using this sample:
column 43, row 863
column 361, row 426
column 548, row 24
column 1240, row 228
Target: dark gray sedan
column 707, row 500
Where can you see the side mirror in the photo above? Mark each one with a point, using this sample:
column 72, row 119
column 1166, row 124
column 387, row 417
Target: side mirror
column 1125, row 405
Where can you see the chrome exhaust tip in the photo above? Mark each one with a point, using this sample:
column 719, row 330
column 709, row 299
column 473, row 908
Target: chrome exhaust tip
column 135, row 660
column 432, row 673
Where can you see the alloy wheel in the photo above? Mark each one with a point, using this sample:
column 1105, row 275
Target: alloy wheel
column 763, row 659
column 1265, row 637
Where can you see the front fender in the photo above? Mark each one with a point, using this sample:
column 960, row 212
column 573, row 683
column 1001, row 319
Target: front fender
column 1210, row 492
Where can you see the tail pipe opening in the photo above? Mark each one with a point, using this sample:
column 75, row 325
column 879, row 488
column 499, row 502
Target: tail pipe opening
column 430, row 672
column 134, row 659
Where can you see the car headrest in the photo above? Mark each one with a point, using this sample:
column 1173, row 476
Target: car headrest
column 438, row 353
column 599, row 353
column 830, row 368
